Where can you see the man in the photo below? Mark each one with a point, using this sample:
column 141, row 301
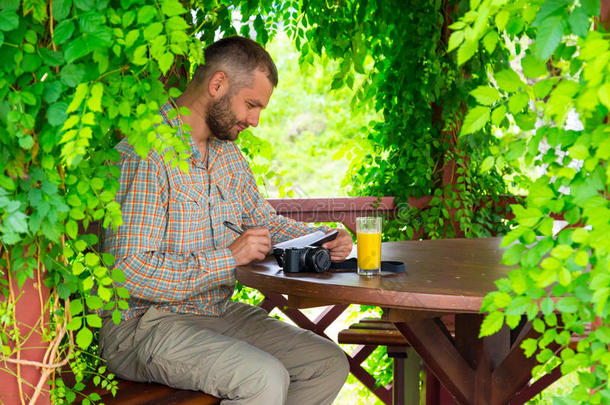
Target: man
column 181, row 328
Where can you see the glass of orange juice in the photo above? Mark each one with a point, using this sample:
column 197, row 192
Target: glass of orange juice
column 368, row 242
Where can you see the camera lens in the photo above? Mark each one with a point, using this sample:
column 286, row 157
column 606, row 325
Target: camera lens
column 318, row 259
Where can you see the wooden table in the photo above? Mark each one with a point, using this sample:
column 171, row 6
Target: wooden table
column 448, row 276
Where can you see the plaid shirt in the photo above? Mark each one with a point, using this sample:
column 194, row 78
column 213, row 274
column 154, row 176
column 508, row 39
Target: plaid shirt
column 172, row 245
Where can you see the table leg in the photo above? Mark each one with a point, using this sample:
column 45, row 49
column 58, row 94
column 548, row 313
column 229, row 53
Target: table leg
column 407, row 366
column 441, row 357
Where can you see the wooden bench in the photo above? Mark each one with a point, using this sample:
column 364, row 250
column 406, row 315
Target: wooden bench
column 133, row 393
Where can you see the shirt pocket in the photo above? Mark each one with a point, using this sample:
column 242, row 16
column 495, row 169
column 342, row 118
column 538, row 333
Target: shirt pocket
column 227, row 206
column 186, row 220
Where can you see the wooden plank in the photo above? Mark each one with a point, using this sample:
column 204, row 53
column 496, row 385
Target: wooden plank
column 294, row 301
column 441, row 357
column 536, row 388
column 372, row 337
column 328, row 316
column 515, row 371
column 404, row 315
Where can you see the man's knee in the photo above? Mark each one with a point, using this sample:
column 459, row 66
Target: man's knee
column 266, row 382
column 340, row 363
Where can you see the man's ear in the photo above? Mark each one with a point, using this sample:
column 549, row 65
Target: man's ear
column 218, row 84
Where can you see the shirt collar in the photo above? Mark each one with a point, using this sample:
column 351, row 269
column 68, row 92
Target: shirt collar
column 214, row 143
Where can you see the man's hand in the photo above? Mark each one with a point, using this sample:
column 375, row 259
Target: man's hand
column 253, row 244
column 340, row 247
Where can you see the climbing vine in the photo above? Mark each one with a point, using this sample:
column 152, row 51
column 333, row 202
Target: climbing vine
column 548, row 109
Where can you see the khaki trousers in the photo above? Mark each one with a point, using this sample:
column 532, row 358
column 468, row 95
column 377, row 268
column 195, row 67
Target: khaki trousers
column 244, row 356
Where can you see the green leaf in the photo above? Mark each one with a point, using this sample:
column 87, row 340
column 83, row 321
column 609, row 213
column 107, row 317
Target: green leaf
column 75, row 323
column 165, row 62
column 172, row 7
column 84, row 5
column 146, row 14
column 562, row 251
column 152, row 31
column 501, row 19
column 486, row 95
column 116, row 316
column 455, row 40
column 604, row 94
column 544, row 87
column 26, row 142
column 79, row 96
column 31, row 62
column 517, row 305
column 51, row 58
column 104, row 293
column 568, row 304
column 547, row 306
column 518, row 102
column 529, row 346
column 108, row 259
column 490, row 40
column 122, row 292
column 77, row 268
column 72, row 228
column 491, row 324
column 476, row 119
column 502, row 299
column 508, row 80
column 94, row 321
column 498, row 115
column 94, row 302
column 71, row 75
column 549, row 36
column 118, row 275
column 84, row 337
column 579, row 22
column 92, row 259
column 487, row 164
column 466, row 51
column 61, row 9
column 532, row 67
column 95, row 100
column 9, row 20
column 78, row 48
column 76, row 307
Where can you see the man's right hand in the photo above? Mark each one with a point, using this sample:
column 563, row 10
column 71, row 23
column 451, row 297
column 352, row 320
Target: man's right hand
column 253, row 244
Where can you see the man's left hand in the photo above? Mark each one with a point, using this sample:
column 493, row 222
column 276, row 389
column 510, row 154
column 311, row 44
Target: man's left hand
column 340, row 247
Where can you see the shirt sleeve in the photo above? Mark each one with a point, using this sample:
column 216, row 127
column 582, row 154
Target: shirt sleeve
column 258, row 212
column 151, row 274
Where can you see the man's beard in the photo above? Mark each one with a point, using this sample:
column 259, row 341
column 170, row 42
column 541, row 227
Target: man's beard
column 221, row 120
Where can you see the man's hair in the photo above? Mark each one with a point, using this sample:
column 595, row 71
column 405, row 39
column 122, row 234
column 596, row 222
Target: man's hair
column 238, row 58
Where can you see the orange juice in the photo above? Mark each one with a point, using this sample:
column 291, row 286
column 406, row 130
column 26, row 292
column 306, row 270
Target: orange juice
column 369, row 250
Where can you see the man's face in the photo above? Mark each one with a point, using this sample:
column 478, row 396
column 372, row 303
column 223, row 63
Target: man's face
column 231, row 114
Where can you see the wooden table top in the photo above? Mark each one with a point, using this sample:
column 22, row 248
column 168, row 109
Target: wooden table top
column 448, row 275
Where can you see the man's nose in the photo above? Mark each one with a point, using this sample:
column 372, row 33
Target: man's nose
column 253, row 118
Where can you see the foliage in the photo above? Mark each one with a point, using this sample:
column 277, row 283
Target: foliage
column 76, row 77
column 558, row 69
column 400, row 49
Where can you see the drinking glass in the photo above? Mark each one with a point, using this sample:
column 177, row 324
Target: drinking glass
column 368, row 242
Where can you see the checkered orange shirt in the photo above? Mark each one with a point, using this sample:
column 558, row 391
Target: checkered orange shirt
column 172, row 245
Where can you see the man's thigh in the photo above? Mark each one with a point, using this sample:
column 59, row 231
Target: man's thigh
column 301, row 351
column 189, row 352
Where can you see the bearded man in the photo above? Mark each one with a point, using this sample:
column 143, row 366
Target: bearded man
column 181, row 328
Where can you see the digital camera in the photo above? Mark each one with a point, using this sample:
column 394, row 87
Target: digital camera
column 299, row 260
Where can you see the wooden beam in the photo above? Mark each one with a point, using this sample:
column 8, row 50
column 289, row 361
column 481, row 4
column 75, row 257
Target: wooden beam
column 441, row 357
column 515, row 371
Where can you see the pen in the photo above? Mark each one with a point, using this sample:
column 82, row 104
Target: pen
column 233, row 227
